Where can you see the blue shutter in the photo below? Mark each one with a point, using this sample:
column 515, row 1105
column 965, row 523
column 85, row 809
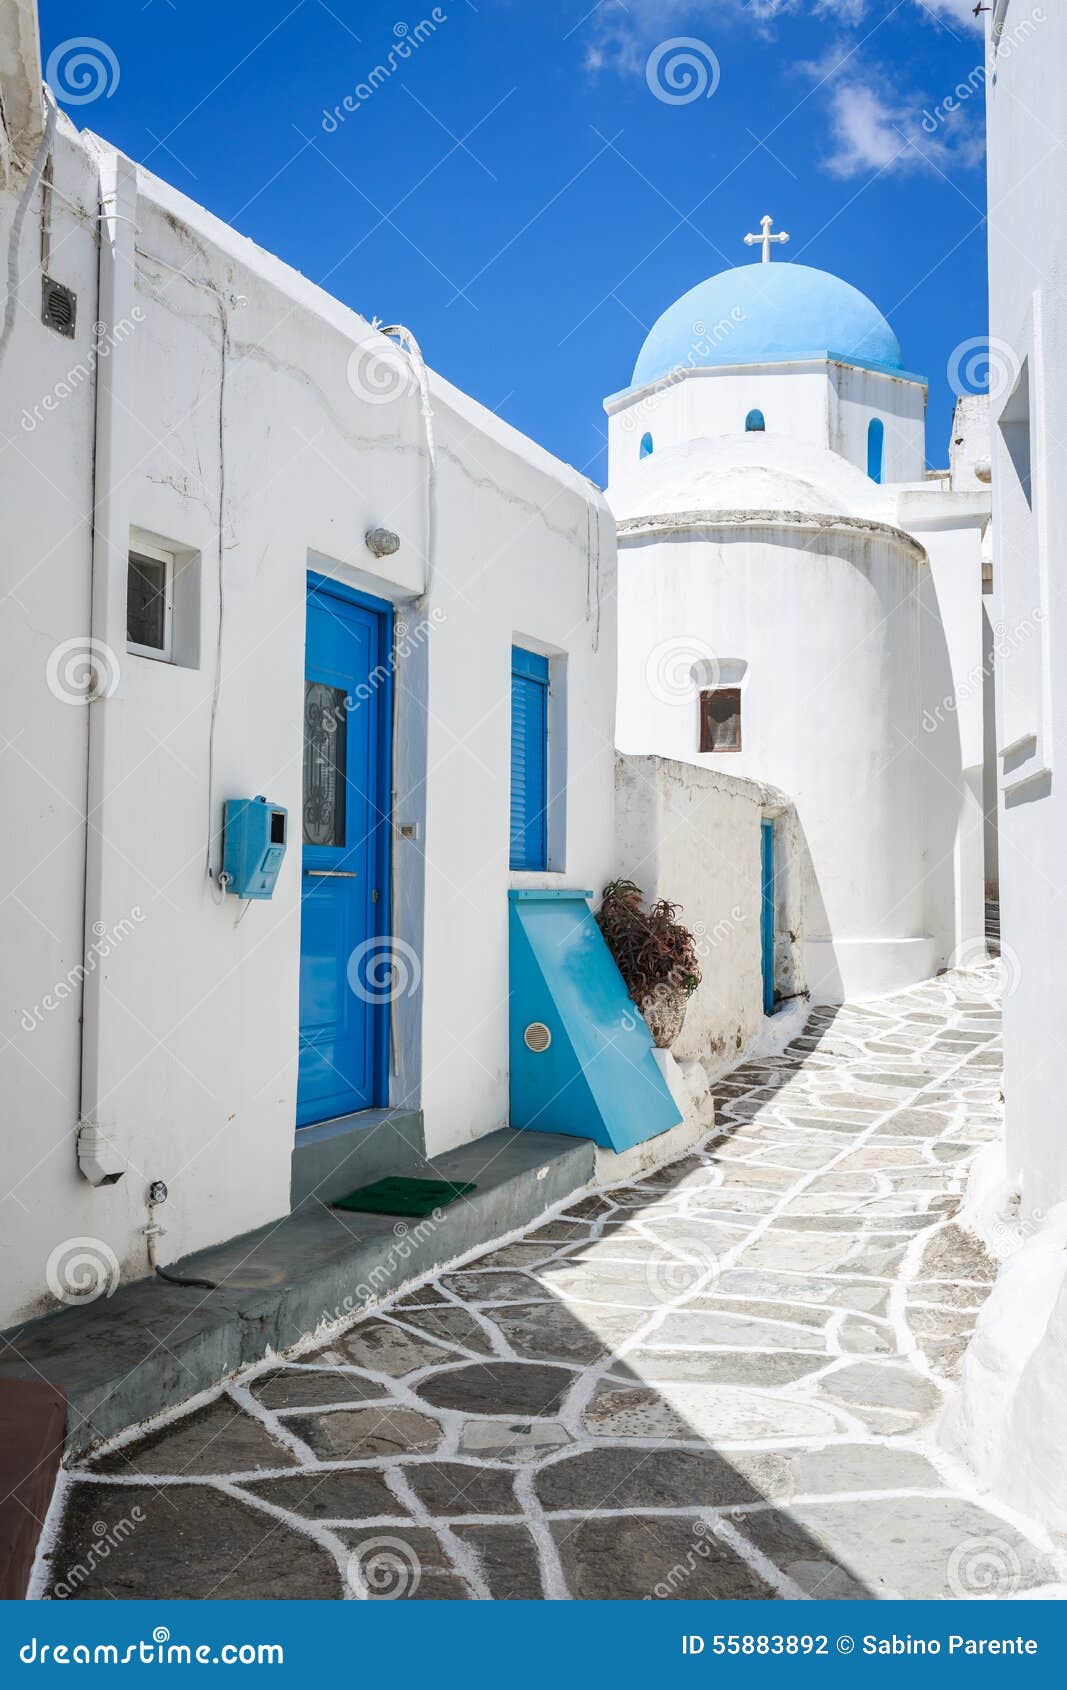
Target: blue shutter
column 876, row 449
column 529, row 759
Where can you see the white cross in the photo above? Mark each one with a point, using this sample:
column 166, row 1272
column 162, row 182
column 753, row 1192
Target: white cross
column 766, row 238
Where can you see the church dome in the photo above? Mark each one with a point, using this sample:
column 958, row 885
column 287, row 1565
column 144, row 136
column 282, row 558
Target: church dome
column 767, row 314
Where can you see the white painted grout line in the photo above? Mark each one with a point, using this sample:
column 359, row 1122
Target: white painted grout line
column 741, row 1139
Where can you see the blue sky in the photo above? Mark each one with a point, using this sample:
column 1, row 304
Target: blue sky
column 517, row 190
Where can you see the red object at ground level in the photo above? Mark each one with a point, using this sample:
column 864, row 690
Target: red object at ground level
column 33, row 1421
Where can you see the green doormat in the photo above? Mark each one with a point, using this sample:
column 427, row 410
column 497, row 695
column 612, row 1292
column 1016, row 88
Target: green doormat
column 398, row 1196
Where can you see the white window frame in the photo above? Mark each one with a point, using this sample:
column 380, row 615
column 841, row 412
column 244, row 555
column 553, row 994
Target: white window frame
column 156, row 554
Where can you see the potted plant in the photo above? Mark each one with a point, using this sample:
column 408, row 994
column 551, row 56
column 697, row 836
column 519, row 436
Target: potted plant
column 655, row 954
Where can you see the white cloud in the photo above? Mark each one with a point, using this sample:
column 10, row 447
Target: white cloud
column 873, row 131
column 865, row 132
column 622, row 31
column 872, row 126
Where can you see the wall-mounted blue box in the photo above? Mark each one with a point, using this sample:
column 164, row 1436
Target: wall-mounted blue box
column 253, row 846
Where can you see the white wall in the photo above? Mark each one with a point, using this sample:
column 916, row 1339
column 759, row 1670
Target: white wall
column 1028, row 325
column 693, row 836
column 815, row 404
column 1007, row 1419
column 827, row 622
column 46, row 490
column 951, row 735
column 857, row 396
column 192, row 1018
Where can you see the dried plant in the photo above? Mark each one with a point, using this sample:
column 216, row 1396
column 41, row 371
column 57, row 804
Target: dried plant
column 652, row 949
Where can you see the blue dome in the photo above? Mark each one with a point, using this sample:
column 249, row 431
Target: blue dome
column 764, row 314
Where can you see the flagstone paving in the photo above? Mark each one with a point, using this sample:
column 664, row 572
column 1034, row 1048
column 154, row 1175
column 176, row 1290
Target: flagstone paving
column 720, row 1381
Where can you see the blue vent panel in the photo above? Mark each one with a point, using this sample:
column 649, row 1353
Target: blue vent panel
column 597, row 1078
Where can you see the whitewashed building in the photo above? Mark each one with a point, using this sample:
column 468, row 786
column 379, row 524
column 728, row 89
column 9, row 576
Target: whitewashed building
column 233, row 511
column 800, row 606
column 1009, row 1418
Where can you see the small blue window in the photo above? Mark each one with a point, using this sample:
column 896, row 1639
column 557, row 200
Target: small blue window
column 876, row 449
column 754, row 423
column 646, row 446
column 529, row 759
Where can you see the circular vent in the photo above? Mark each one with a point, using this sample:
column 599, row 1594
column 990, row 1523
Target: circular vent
column 537, row 1037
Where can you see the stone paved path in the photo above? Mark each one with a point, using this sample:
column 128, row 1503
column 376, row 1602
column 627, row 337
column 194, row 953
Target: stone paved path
column 718, row 1382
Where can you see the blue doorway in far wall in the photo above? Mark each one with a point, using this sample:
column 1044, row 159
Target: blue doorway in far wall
column 767, row 913
column 344, row 905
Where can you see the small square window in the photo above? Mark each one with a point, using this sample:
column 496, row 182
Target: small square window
column 720, row 719
column 149, row 603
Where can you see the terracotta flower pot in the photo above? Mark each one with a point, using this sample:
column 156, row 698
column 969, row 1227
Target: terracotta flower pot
column 664, row 1011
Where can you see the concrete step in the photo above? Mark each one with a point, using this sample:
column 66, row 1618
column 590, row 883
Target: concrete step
column 153, row 1345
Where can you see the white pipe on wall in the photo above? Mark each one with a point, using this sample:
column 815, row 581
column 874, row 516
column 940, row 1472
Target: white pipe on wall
column 107, row 647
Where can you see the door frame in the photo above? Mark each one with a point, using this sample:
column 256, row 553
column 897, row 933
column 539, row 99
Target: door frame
column 327, row 586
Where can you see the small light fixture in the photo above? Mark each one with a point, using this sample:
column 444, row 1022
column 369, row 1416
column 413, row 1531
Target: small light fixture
column 382, row 541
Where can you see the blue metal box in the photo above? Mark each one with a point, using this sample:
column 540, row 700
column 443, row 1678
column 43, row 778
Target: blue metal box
column 253, row 846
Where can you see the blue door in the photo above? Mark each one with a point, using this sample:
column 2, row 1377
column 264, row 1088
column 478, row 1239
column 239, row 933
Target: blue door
column 344, row 917
column 767, row 914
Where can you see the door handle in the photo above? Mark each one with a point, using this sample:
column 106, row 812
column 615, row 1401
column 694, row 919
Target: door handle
column 333, row 873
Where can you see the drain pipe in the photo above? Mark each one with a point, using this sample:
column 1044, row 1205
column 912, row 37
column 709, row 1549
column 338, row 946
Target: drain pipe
column 101, row 1063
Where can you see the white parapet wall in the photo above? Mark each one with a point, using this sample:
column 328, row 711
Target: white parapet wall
column 1005, row 1418
column 692, row 835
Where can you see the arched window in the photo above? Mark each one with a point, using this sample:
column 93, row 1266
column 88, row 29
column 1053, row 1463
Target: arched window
column 876, row 449
column 754, row 423
column 646, row 446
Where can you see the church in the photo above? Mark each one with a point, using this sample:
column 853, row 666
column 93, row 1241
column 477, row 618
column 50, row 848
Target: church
column 801, row 605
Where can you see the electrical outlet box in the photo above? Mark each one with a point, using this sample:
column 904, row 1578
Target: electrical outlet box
column 254, row 837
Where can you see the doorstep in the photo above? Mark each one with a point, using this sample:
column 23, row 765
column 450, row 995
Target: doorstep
column 334, row 1158
column 153, row 1345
